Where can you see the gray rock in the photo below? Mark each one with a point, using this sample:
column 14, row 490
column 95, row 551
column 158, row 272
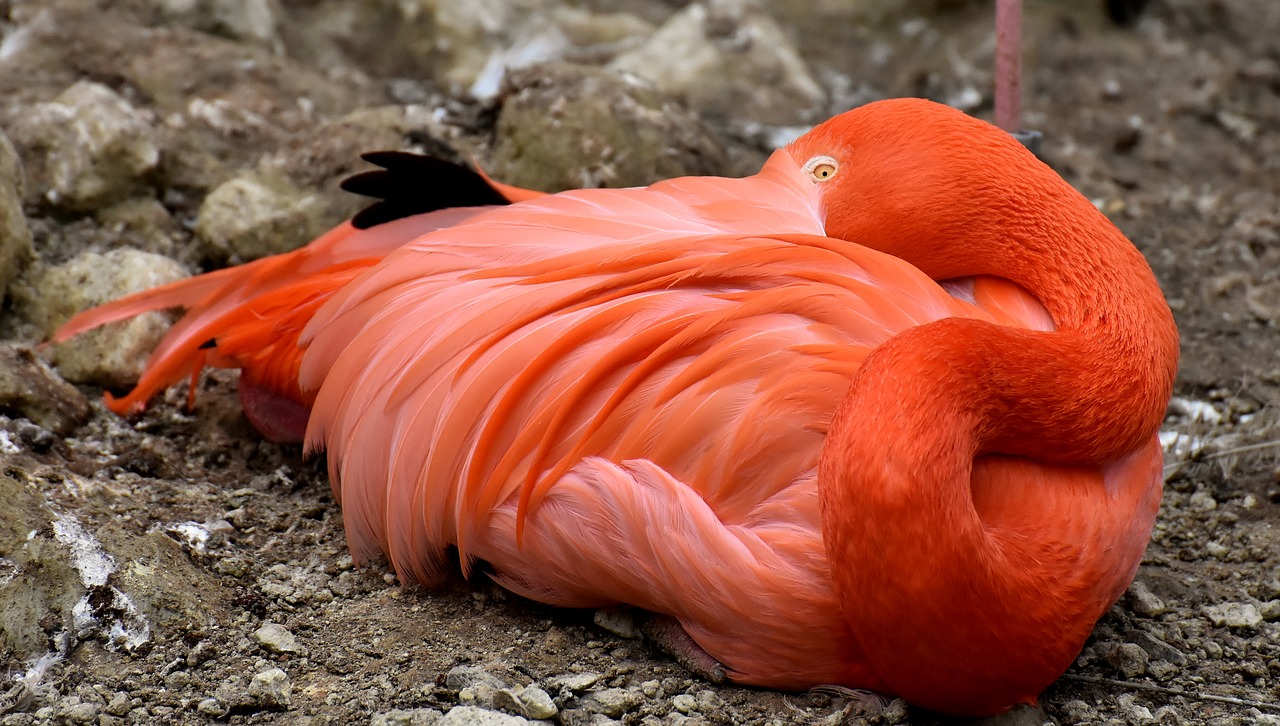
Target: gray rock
column 1270, row 610
column 1129, row 659
column 73, row 711
column 271, row 689
column 1157, row 648
column 574, row 682
column 559, row 34
column 1144, row 602
column 1202, row 501
column 564, row 126
column 15, row 237
column 1016, row 716
column 119, row 704
column 115, row 355
column 86, row 149
column 612, row 702
column 31, row 389
column 1234, row 614
column 619, row 621
column 895, row 712
column 276, row 638
column 468, row 46
column 482, row 694
column 530, row 701
column 472, row 716
column 684, row 703
column 464, row 676
column 407, row 717
column 251, row 21
column 730, row 58
column 258, row 214
column 212, row 707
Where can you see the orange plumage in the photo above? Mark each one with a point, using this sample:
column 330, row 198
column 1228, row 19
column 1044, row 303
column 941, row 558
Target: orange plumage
column 747, row 403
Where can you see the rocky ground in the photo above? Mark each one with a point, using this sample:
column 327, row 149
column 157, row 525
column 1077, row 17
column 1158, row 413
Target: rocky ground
column 173, row 568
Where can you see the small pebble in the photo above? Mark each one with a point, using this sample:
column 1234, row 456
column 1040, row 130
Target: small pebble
column 275, row 638
column 1129, row 659
column 1202, row 501
column 619, row 621
column 684, row 703
column 536, row 703
column 407, row 717
column 212, row 707
column 612, row 702
column 472, row 716
column 1144, row 602
column 575, row 682
column 271, row 689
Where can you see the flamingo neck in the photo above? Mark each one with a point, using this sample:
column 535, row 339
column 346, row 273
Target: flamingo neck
column 952, row 616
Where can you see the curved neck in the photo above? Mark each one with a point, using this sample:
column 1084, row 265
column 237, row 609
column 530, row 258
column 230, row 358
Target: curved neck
column 942, row 605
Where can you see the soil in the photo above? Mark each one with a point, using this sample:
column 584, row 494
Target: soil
column 1170, row 123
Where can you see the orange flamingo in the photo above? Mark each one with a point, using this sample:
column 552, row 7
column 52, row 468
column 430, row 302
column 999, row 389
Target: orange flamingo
column 882, row 415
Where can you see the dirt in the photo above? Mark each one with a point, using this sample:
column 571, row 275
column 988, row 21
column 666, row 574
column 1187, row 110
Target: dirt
column 1170, row 123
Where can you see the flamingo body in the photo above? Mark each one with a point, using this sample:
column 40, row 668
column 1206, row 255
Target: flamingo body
column 651, row 396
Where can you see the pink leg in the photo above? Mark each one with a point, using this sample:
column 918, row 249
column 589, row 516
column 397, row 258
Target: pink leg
column 666, row 632
column 1009, row 65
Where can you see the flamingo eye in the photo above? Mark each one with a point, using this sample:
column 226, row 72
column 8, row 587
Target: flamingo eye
column 821, row 168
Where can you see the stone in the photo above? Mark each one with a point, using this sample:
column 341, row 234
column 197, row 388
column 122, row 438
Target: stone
column 31, row 389
column 113, row 356
column 271, row 689
column 276, row 638
column 15, row 236
column 1144, row 602
column 728, row 58
column 212, row 707
column 87, row 148
column 1234, row 615
column 612, row 702
column 563, row 127
column 473, row 716
column 536, row 703
column 1202, row 501
column 257, row 214
column 619, row 621
column 407, row 717
column 684, row 703
column 250, row 21
column 1270, row 610
column 465, row 676
column 575, row 683
column 1129, row 659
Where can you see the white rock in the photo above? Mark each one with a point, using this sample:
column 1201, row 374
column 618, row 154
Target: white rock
column 271, row 689
column 1234, row 614
column 92, row 146
column 276, row 638
column 472, row 716
column 728, row 57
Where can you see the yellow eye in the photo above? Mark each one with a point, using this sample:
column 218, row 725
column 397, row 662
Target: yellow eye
column 821, row 168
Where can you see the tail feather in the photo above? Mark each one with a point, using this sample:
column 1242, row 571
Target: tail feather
column 250, row 316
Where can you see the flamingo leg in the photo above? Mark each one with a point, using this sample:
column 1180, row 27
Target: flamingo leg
column 1009, row 65
column 666, row 632
column 1009, row 74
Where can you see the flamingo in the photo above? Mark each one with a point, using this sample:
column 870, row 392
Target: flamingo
column 882, row 415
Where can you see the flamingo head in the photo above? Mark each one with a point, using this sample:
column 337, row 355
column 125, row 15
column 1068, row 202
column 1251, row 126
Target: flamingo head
column 927, row 183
